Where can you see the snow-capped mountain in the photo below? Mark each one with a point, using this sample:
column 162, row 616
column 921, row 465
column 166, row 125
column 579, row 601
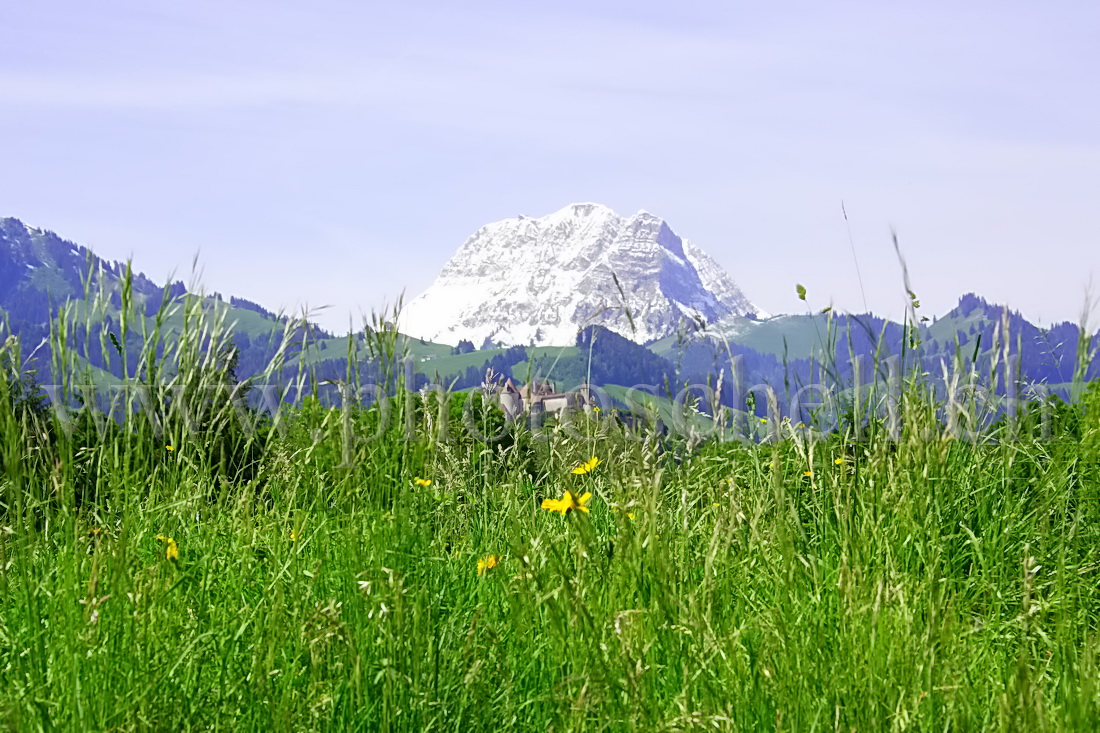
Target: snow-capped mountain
column 526, row 280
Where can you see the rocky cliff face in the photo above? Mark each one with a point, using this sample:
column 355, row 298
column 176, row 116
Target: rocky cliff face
column 538, row 281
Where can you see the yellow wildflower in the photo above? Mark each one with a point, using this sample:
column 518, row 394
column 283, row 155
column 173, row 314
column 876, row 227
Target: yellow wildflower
column 556, row 505
column 487, row 563
column 764, row 420
column 567, row 502
column 172, row 551
column 169, row 447
column 839, row 461
column 808, row 474
column 422, row 481
column 630, row 516
column 587, row 466
column 294, row 535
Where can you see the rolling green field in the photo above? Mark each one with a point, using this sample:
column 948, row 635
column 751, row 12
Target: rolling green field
column 191, row 566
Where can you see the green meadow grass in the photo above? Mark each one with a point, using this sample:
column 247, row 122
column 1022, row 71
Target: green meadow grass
column 849, row 582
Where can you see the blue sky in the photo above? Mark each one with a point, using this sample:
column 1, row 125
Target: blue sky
column 337, row 153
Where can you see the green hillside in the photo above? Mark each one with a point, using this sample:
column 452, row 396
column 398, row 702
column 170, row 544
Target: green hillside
column 798, row 334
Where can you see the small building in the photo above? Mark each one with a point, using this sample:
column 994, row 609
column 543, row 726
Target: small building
column 540, row 396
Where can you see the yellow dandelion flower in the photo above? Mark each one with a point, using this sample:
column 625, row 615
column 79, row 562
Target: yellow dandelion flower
column 587, row 466
column 422, row 481
column 568, row 502
column 839, row 461
column 172, row 550
column 808, row 474
column 596, row 408
column 764, row 420
column 557, row 505
column 487, row 563
column 630, row 516
column 169, row 447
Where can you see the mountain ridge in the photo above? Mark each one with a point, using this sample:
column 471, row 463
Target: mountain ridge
column 39, row 270
column 540, row 280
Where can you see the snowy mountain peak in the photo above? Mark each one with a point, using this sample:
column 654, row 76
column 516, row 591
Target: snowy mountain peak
column 583, row 209
column 540, row 280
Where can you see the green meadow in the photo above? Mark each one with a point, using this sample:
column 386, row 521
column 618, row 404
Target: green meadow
column 187, row 563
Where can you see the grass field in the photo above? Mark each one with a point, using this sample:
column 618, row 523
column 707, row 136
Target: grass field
column 183, row 568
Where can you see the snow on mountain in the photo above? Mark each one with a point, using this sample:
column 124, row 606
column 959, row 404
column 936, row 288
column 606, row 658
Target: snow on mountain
column 540, row 280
